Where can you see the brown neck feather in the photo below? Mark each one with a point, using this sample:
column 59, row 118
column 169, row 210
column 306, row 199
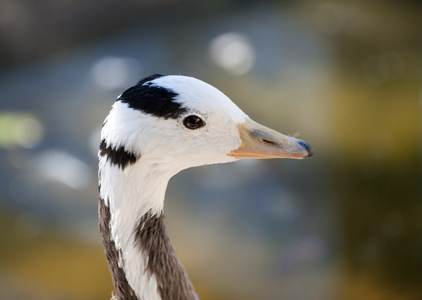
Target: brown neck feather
column 152, row 240
column 123, row 290
column 172, row 280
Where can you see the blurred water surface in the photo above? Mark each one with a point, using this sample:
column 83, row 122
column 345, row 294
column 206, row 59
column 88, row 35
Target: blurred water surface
column 345, row 76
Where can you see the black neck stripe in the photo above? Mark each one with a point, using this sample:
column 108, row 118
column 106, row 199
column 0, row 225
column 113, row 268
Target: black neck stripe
column 117, row 156
column 153, row 100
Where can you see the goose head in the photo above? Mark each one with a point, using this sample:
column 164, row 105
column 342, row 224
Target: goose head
column 178, row 122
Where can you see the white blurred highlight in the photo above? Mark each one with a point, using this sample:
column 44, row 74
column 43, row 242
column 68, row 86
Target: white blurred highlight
column 111, row 72
column 28, row 132
column 233, row 52
column 55, row 165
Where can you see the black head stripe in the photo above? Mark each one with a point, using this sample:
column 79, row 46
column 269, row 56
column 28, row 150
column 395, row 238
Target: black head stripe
column 154, row 100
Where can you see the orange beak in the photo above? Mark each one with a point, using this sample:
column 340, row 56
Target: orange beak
column 261, row 142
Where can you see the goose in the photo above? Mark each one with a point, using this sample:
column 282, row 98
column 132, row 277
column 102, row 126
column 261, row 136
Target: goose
column 155, row 129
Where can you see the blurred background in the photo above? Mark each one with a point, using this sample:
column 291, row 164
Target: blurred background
column 343, row 75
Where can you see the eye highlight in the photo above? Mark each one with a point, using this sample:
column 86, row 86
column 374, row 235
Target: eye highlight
column 193, row 122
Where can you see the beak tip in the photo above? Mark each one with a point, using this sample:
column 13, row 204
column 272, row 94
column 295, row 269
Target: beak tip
column 310, row 154
column 307, row 147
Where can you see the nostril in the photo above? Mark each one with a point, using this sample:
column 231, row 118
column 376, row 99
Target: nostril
column 307, row 147
column 270, row 142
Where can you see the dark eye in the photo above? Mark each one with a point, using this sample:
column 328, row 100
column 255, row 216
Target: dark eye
column 193, row 122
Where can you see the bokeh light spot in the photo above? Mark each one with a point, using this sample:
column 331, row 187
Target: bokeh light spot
column 112, row 72
column 55, row 165
column 233, row 52
column 20, row 130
